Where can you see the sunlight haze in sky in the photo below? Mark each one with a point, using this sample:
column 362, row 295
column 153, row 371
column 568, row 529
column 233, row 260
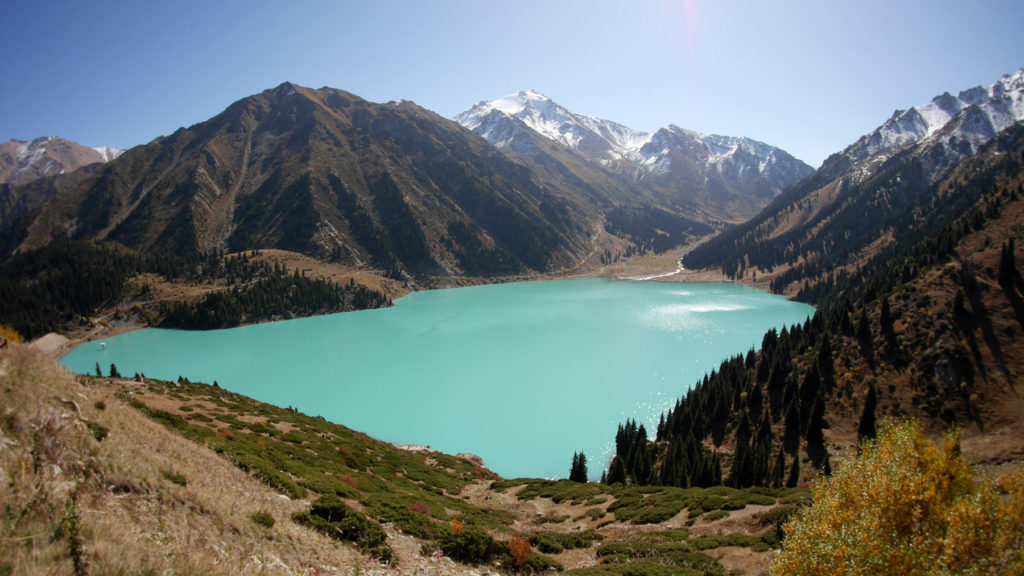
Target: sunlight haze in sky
column 808, row 76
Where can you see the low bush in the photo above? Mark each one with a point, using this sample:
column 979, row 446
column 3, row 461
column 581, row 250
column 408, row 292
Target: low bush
column 676, row 558
column 905, row 505
column 263, row 519
column 711, row 542
column 470, row 544
column 556, row 542
column 174, row 477
column 332, row 517
column 716, row 515
column 98, row 431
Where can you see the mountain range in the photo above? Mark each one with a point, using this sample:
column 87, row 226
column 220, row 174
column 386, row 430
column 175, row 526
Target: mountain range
column 23, row 162
column 722, row 177
column 905, row 241
column 402, row 190
column 851, row 206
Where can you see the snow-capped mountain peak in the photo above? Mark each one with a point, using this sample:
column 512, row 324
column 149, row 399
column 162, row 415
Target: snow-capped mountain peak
column 998, row 106
column 597, row 139
column 22, row 162
column 515, row 103
column 671, row 158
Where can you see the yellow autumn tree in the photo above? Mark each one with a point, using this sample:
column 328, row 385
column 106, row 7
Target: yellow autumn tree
column 905, row 505
column 10, row 333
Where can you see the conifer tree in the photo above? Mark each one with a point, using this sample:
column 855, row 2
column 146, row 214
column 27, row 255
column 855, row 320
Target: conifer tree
column 578, row 472
column 885, row 321
column 826, row 369
column 739, row 477
column 791, row 436
column 866, row 427
column 1008, row 272
column 814, row 435
column 616, row 472
column 779, row 470
column 794, row 473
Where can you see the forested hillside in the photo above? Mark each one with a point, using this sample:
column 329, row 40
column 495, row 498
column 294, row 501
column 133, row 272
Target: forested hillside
column 929, row 326
column 61, row 285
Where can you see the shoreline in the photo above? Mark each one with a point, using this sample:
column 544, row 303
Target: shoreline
column 648, row 268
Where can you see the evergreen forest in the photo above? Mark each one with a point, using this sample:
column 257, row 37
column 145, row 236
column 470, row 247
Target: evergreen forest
column 771, row 405
column 61, row 285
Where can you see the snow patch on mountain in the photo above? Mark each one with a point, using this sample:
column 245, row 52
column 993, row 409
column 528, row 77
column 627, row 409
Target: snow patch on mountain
column 619, row 147
column 976, row 114
column 108, row 153
column 599, row 140
column 21, row 162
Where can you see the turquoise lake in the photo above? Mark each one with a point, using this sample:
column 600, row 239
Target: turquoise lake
column 521, row 374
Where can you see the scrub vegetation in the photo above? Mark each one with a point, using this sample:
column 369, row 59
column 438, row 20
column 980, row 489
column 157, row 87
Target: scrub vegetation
column 906, row 505
column 189, row 475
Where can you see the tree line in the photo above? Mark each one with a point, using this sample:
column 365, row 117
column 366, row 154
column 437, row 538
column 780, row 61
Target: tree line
column 771, row 405
column 62, row 284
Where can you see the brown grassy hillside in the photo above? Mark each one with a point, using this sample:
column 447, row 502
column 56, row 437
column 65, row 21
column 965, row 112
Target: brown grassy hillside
column 114, row 476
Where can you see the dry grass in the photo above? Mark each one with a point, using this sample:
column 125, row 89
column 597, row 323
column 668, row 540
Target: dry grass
column 146, row 500
column 334, row 272
column 131, row 519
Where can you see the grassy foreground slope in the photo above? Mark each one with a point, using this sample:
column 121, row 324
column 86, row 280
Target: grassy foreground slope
column 134, row 476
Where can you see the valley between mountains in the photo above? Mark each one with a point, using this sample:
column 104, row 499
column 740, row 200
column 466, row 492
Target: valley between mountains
column 297, row 201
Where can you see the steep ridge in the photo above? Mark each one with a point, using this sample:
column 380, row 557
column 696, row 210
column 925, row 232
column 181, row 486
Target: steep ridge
column 33, row 172
column 848, row 209
column 22, row 162
column 325, row 173
column 706, row 177
column 928, row 327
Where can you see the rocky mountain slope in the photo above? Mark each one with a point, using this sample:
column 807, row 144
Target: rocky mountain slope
column 325, row 173
column 911, row 257
column 397, row 188
column 849, row 208
column 22, row 162
column 32, row 173
column 707, row 176
column 929, row 327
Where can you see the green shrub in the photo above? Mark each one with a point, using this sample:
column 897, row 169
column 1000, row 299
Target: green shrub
column 332, row 517
column 538, row 563
column 547, row 545
column 716, row 515
column 470, row 544
column 709, row 542
column 174, row 477
column 704, row 504
column 639, row 558
column 98, row 432
column 263, row 519
column 776, row 516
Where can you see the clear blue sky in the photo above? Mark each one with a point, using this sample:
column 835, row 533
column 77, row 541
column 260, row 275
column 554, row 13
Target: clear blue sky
column 809, row 76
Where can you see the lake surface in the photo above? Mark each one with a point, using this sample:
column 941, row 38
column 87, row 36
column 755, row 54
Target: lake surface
column 521, row 374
